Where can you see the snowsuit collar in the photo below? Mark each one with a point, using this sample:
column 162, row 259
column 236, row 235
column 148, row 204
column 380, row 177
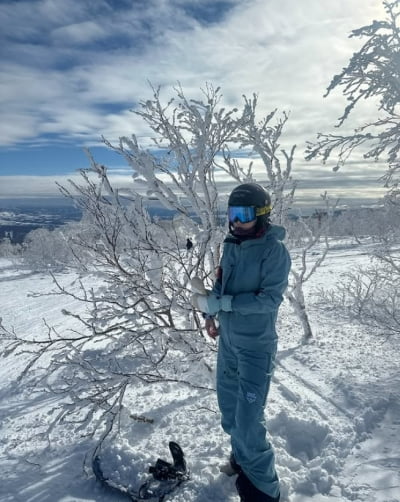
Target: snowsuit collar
column 271, row 231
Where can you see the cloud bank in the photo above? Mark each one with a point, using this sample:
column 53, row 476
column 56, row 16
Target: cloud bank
column 72, row 70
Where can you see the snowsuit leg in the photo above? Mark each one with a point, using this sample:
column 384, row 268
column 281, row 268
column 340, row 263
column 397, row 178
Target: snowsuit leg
column 243, row 381
column 227, row 385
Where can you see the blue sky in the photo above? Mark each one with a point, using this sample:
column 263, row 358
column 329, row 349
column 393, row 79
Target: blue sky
column 71, row 71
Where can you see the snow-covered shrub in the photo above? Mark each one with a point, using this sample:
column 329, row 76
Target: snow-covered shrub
column 56, row 249
column 8, row 249
column 373, row 73
column 45, row 249
column 371, row 296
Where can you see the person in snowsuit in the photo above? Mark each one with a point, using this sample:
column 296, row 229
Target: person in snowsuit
column 246, row 296
column 189, row 244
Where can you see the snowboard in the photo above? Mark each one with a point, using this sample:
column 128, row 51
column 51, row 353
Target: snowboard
column 165, row 477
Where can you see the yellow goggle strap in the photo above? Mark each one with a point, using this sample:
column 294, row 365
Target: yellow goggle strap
column 263, row 210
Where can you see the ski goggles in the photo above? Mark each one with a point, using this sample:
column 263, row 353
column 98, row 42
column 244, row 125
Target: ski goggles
column 245, row 214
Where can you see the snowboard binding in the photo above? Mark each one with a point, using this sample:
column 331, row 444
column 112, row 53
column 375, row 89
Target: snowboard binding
column 165, row 478
column 163, row 470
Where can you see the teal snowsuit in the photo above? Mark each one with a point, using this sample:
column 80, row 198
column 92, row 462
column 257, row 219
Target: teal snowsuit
column 255, row 272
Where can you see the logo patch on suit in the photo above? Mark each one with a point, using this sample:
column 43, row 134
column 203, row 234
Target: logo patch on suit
column 251, row 397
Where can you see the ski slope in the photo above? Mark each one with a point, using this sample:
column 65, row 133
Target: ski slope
column 333, row 412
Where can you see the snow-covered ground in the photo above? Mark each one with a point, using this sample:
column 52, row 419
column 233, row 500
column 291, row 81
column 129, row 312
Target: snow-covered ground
column 333, row 411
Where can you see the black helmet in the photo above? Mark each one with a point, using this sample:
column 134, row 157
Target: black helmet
column 250, row 194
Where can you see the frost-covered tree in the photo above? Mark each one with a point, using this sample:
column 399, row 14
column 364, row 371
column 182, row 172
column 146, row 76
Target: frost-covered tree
column 55, row 249
column 8, row 249
column 140, row 320
column 196, row 141
column 373, row 73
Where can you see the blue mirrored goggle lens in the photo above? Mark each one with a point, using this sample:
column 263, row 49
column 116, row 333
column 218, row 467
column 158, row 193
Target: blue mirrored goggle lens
column 244, row 214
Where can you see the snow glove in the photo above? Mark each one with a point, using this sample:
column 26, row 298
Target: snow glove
column 197, row 286
column 211, row 304
column 206, row 301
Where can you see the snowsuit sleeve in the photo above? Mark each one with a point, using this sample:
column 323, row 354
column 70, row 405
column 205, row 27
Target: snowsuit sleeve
column 274, row 273
column 217, row 287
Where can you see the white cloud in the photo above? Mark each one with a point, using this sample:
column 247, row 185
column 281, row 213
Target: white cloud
column 68, row 63
column 285, row 50
column 79, row 33
column 356, row 183
column 46, row 186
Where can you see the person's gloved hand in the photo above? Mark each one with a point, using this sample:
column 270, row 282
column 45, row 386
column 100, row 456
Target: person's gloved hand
column 211, row 304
